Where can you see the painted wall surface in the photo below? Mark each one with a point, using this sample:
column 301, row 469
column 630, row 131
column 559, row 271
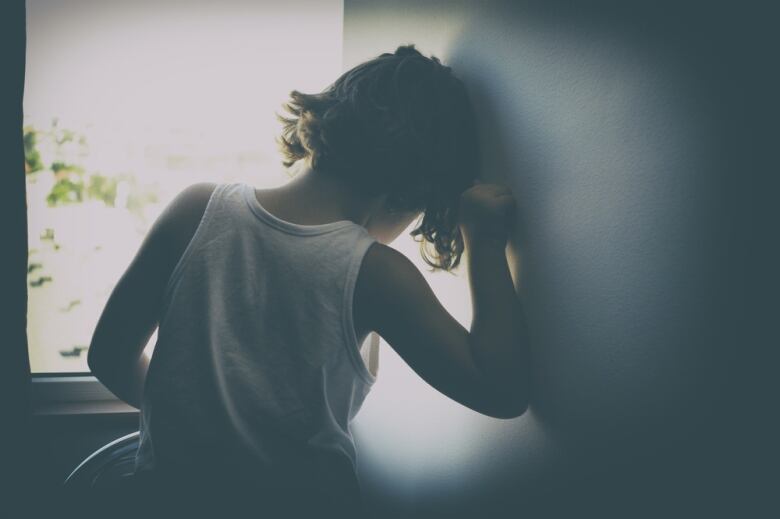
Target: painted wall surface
column 615, row 127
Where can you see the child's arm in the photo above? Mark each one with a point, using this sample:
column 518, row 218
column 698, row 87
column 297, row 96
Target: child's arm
column 485, row 369
column 131, row 314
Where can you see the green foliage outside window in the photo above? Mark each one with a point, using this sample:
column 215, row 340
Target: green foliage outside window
column 73, row 183
column 57, row 151
column 32, row 158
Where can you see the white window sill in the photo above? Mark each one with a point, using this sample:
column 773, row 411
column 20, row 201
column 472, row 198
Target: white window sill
column 74, row 395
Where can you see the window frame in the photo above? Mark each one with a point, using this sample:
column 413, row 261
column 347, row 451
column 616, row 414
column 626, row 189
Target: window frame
column 74, row 394
column 81, row 393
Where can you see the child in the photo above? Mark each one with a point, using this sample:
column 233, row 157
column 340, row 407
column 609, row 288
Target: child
column 263, row 297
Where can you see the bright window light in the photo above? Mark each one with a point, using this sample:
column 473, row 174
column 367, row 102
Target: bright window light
column 127, row 103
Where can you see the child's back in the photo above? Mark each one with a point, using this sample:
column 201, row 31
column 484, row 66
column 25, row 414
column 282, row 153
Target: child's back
column 257, row 362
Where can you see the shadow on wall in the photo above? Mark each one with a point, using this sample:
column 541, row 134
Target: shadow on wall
column 606, row 129
column 614, row 127
column 607, row 146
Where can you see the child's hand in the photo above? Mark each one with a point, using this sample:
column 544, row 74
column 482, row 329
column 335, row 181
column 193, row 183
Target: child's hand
column 486, row 211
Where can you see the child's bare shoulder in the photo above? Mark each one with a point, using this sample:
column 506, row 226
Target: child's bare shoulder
column 386, row 279
column 384, row 264
column 186, row 210
column 194, row 198
column 175, row 227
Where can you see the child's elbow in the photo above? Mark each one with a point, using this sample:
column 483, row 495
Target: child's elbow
column 507, row 409
column 95, row 361
column 514, row 411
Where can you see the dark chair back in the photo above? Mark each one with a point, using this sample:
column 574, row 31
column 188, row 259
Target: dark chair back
column 107, row 465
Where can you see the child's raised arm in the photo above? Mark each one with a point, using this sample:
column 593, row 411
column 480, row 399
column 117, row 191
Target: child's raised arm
column 485, row 369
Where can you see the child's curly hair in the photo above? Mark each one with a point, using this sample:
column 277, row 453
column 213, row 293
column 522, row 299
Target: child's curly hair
column 400, row 124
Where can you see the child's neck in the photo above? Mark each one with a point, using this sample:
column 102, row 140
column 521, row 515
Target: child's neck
column 315, row 198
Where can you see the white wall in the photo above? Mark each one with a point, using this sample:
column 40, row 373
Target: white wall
column 609, row 125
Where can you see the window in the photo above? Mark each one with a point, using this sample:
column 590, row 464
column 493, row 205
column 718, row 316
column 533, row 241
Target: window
column 128, row 103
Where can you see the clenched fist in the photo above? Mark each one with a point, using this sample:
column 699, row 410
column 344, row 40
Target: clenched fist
column 486, row 211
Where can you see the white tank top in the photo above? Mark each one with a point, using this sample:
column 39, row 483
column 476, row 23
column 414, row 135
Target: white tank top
column 256, row 359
